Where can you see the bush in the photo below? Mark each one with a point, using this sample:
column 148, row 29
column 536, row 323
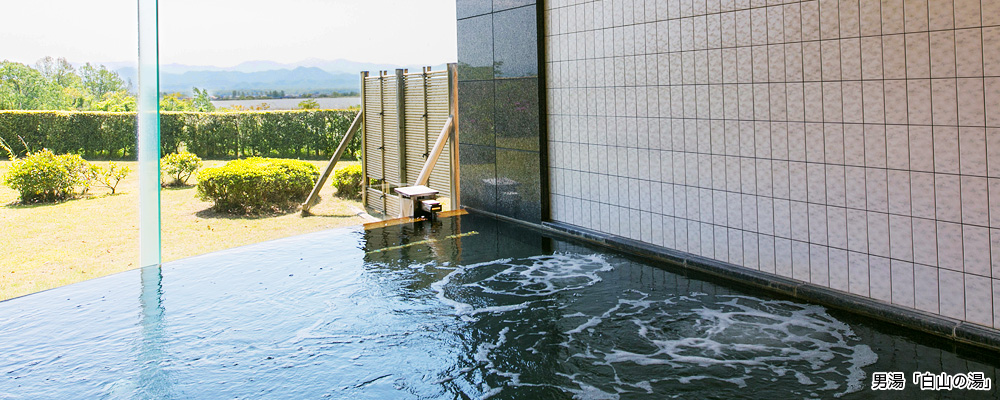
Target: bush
column 178, row 167
column 110, row 177
column 347, row 181
column 257, row 185
column 45, row 177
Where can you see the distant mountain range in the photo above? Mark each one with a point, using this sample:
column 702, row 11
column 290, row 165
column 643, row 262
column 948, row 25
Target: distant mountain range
column 307, row 76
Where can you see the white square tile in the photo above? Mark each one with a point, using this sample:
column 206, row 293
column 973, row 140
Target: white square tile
column 949, row 238
column 817, row 224
column 783, row 257
column 670, row 233
column 976, row 249
column 816, row 182
column 839, row 271
column 877, row 188
column 693, row 237
column 975, row 204
column 836, row 185
column 854, row 145
column 707, row 240
column 873, row 93
column 819, row 268
column 918, row 101
column 995, row 252
column 926, row 288
column 925, row 241
column 878, row 234
column 800, row 261
column 895, row 101
column 996, row 303
column 899, row 192
column 799, row 218
column 855, row 188
column 858, row 273
column 837, row 227
column 751, row 258
column 875, row 146
column 921, row 148
column 971, row 102
column 765, row 215
column 923, row 200
column 946, row 156
column 765, row 248
column 857, row 230
column 952, row 293
column 782, row 218
column 880, row 278
column 947, row 190
column 900, row 237
column 798, row 181
column 972, row 151
column 721, row 244
column 978, row 300
column 735, row 210
column 902, row 283
column 942, row 54
column 897, row 142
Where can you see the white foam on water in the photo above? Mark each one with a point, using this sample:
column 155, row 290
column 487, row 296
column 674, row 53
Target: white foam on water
column 588, row 392
column 744, row 336
column 725, row 343
column 530, row 279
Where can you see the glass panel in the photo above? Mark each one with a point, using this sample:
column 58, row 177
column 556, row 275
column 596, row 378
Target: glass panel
column 149, row 135
column 289, row 94
column 67, row 98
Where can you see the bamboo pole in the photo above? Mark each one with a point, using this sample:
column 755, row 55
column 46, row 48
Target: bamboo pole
column 314, row 195
column 442, row 139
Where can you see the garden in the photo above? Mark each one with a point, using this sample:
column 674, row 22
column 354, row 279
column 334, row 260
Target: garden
column 71, row 213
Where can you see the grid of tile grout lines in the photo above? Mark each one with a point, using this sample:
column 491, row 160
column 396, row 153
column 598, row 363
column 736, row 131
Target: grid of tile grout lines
column 850, row 144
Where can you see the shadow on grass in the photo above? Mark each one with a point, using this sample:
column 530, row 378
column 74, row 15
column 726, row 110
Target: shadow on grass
column 17, row 205
column 172, row 188
column 210, row 213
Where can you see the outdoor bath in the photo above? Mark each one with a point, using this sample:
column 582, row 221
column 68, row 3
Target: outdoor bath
column 466, row 307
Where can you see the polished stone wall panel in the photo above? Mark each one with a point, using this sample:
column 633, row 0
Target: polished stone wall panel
column 499, row 108
column 476, row 110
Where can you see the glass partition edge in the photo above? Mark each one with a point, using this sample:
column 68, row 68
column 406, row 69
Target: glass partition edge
column 149, row 135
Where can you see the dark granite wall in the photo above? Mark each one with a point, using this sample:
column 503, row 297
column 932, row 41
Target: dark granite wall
column 499, row 107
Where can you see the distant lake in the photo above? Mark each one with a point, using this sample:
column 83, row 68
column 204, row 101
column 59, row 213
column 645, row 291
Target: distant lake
column 335, row 103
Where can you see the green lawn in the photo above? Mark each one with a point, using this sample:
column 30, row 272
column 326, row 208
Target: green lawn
column 45, row 246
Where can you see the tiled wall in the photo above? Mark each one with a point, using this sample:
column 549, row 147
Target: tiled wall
column 850, row 144
column 499, row 122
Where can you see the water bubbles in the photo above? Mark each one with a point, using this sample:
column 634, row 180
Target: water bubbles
column 605, row 339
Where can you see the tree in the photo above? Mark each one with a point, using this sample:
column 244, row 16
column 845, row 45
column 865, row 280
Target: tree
column 120, row 101
column 201, row 101
column 22, row 88
column 309, row 104
column 58, row 71
column 99, row 80
column 174, row 102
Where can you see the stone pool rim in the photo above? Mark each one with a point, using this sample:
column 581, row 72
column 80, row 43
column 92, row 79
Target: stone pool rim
column 955, row 330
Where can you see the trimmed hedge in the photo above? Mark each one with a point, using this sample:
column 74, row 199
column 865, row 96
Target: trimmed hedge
column 347, row 181
column 297, row 133
column 256, row 185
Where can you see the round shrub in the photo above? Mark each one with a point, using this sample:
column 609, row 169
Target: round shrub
column 257, row 185
column 347, row 181
column 45, row 177
column 178, row 167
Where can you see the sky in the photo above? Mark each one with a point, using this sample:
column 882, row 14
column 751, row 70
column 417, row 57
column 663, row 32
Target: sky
column 225, row 33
